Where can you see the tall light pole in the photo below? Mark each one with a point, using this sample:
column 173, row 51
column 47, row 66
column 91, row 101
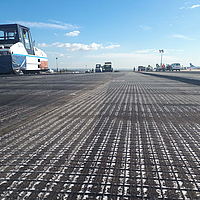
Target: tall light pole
column 57, row 63
column 161, row 51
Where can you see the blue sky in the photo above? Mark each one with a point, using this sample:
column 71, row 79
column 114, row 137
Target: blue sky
column 127, row 32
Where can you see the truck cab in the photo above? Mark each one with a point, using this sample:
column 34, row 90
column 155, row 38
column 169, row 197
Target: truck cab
column 17, row 51
column 13, row 33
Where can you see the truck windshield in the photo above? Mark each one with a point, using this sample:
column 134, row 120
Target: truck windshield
column 98, row 66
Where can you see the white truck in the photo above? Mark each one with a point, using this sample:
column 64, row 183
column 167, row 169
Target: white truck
column 174, row 66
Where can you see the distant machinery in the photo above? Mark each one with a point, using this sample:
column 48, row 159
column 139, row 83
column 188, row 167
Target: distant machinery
column 98, row 68
column 107, row 67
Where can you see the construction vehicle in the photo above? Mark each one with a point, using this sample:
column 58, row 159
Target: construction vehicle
column 17, row 52
column 98, row 68
column 173, row 66
column 176, row 66
column 107, row 67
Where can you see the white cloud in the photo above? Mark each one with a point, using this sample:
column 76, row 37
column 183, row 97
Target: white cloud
column 146, row 28
column 118, row 55
column 43, row 45
column 195, row 6
column 142, row 51
column 63, row 45
column 73, row 33
column 83, row 47
column 181, row 8
column 48, row 45
column 182, row 37
column 156, row 51
column 55, row 43
column 173, row 50
column 78, row 46
column 54, row 25
column 112, row 46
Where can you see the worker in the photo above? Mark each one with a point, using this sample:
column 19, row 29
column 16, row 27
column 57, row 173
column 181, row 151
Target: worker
column 24, row 34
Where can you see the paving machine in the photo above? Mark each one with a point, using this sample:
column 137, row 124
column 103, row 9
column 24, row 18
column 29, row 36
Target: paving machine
column 107, row 67
column 17, row 52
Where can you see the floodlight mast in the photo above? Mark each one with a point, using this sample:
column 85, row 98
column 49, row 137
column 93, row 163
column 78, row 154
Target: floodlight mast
column 161, row 51
column 57, row 63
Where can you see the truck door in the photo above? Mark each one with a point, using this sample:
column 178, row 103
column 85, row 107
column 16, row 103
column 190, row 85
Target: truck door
column 26, row 40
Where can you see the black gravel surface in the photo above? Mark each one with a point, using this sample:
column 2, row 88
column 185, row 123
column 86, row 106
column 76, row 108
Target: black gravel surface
column 100, row 136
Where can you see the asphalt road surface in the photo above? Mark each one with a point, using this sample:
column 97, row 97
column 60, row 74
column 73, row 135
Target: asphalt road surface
column 100, row 136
